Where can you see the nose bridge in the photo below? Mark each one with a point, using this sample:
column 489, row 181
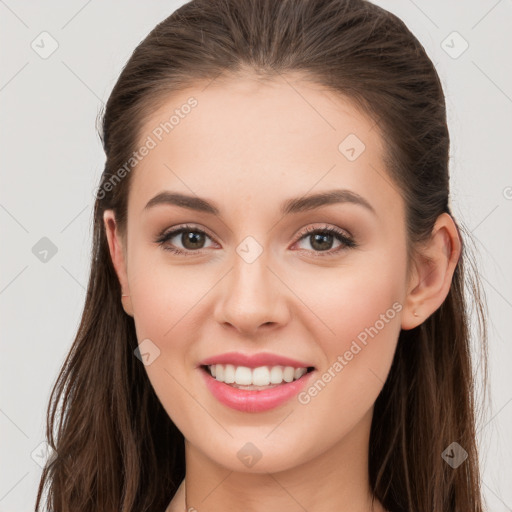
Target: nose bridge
column 252, row 296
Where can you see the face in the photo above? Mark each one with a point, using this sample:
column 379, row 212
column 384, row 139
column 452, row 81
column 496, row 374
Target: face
column 263, row 269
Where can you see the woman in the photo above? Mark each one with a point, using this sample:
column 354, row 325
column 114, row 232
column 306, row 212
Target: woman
column 276, row 307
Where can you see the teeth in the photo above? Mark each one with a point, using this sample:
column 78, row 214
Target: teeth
column 261, row 376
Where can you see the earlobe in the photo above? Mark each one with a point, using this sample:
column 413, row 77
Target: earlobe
column 118, row 257
column 434, row 266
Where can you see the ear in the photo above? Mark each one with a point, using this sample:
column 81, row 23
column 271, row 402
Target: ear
column 117, row 249
column 433, row 269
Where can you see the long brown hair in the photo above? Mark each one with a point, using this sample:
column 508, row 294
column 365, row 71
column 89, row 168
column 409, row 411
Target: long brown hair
column 115, row 446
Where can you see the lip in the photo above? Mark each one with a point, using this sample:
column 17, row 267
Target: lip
column 254, row 400
column 254, row 360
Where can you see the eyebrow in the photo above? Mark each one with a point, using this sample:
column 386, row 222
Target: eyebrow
column 290, row 206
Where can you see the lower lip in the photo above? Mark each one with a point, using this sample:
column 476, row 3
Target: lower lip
column 254, row 400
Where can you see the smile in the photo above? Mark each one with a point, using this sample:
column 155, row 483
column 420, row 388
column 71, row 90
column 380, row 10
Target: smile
column 254, row 389
column 262, row 376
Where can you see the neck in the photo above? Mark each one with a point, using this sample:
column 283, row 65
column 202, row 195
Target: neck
column 336, row 480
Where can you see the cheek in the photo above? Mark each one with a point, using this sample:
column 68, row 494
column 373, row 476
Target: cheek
column 355, row 296
column 359, row 311
column 165, row 299
column 163, row 294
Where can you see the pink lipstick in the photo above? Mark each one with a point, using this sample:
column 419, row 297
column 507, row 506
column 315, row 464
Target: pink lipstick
column 275, row 378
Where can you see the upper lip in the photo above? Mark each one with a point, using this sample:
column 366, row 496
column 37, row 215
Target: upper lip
column 253, row 360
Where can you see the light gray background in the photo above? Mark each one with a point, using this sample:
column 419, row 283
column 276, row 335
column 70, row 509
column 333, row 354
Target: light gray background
column 52, row 160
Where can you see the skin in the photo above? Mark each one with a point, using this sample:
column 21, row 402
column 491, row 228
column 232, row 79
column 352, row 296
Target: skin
column 248, row 146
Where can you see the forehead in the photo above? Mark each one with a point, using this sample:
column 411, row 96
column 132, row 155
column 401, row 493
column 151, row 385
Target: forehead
column 241, row 139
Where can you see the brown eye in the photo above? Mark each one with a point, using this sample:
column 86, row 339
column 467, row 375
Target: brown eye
column 192, row 239
column 183, row 240
column 322, row 240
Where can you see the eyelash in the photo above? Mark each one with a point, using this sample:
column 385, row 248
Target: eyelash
column 347, row 242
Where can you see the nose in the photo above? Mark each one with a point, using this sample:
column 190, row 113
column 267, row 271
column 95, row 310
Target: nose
column 252, row 298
